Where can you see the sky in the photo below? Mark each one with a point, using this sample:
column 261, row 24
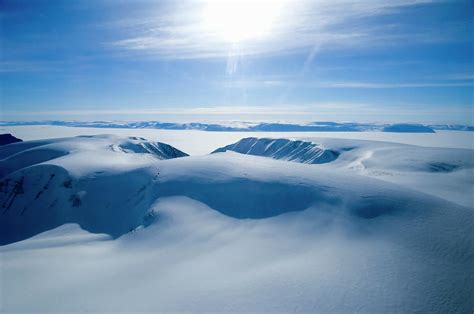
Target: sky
column 261, row 60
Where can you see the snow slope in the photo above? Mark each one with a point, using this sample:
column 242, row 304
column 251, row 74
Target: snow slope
column 232, row 232
column 447, row 173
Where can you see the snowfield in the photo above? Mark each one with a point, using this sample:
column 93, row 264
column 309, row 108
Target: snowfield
column 109, row 223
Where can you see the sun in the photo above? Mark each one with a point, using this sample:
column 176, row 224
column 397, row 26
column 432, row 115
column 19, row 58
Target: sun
column 239, row 21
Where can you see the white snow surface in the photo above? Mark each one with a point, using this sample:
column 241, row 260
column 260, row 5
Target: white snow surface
column 108, row 223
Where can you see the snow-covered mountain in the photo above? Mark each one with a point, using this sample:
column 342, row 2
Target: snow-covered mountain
column 20, row 155
column 243, row 126
column 119, row 224
column 408, row 128
column 283, row 149
column 44, row 183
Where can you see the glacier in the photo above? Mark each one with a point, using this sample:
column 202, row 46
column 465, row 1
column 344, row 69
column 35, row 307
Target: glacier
column 111, row 223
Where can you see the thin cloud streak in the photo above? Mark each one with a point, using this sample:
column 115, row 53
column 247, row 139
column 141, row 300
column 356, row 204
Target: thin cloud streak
column 372, row 85
column 271, row 83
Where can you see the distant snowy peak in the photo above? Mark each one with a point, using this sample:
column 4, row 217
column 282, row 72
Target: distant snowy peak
column 408, row 128
column 452, row 127
column 8, row 139
column 283, row 149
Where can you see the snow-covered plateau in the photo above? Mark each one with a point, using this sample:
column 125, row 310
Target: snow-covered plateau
column 265, row 223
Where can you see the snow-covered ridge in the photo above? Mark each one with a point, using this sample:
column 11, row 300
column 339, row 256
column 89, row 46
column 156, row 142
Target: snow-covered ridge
column 84, row 179
column 8, row 139
column 283, row 149
column 140, row 145
column 19, row 155
column 242, row 126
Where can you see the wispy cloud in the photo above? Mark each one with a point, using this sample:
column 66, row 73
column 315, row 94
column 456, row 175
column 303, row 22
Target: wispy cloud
column 23, row 66
column 279, row 82
column 375, row 85
column 458, row 76
column 178, row 32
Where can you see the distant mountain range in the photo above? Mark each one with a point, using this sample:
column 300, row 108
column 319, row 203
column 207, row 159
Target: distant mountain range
column 254, row 127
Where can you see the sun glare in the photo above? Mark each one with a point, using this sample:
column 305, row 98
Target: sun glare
column 238, row 21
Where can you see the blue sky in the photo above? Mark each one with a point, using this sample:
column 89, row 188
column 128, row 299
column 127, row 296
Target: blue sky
column 367, row 61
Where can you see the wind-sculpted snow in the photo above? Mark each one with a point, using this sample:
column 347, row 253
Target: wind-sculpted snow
column 284, row 149
column 234, row 232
